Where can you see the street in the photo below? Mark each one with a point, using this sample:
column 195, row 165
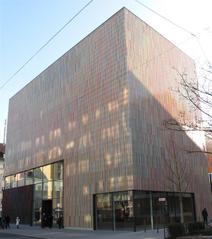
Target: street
column 12, row 236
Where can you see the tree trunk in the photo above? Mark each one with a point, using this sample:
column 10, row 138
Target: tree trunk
column 181, row 208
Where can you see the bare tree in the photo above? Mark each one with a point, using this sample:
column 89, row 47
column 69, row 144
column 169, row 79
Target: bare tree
column 199, row 96
column 177, row 174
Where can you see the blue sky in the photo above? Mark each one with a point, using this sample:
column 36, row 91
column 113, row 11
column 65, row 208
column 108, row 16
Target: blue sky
column 25, row 25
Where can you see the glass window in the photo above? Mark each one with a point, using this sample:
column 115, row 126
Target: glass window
column 20, row 179
column 7, row 182
column 13, row 181
column 173, row 208
column 48, row 172
column 123, row 205
column 57, row 208
column 142, row 209
column 37, row 211
column 38, row 191
column 47, row 190
column 29, row 177
column 58, row 171
column 58, row 189
column 188, row 207
column 104, row 215
column 38, row 175
column 159, row 204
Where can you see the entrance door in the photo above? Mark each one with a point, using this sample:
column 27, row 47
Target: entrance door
column 47, row 218
column 123, row 211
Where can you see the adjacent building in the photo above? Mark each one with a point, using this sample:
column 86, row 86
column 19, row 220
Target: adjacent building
column 2, row 151
column 85, row 138
column 209, row 150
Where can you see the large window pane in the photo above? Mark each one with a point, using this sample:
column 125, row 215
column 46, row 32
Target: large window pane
column 160, row 216
column 188, row 207
column 37, row 211
column 58, row 189
column 29, row 177
column 38, row 191
column 123, row 203
column 47, row 190
column 142, row 209
column 7, row 182
column 13, row 181
column 20, row 179
column 58, row 171
column 38, row 175
column 48, row 172
column 104, row 211
column 173, row 208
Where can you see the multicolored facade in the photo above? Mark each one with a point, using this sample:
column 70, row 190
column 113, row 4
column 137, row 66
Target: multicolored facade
column 87, row 133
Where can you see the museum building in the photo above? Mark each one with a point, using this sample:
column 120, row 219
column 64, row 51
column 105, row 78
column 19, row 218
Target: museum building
column 86, row 139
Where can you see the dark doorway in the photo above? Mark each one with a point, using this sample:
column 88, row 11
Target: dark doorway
column 47, row 218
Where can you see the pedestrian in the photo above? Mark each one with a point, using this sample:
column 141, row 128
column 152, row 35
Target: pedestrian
column 205, row 216
column 60, row 222
column 17, row 222
column 1, row 223
column 7, row 221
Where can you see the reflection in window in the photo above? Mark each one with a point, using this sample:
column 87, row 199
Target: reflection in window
column 112, row 183
column 113, row 105
column 13, row 181
column 104, row 211
column 71, row 125
column 57, row 133
column 72, row 169
column 20, row 179
column 97, row 113
column 85, row 190
column 108, row 159
column 87, row 218
column 85, row 140
column 130, row 180
column 48, row 172
column 7, row 182
column 38, row 175
column 38, row 191
column 83, row 166
column 47, row 190
column 125, row 96
column 54, row 153
column 124, row 122
column 58, row 171
column 101, row 185
column 53, row 134
column 29, row 177
column 58, row 189
column 42, row 140
column 111, row 132
column 85, row 119
column 70, row 145
column 117, row 158
column 124, row 216
column 37, row 141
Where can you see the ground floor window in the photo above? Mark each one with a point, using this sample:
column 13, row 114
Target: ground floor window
column 134, row 210
column 46, row 184
column 48, row 195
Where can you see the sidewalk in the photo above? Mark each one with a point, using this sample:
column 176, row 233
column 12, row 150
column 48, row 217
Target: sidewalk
column 55, row 233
